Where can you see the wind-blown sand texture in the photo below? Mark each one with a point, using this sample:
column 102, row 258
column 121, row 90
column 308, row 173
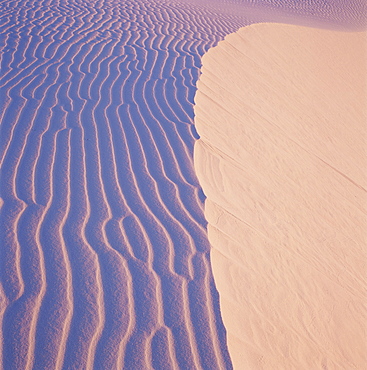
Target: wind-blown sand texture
column 282, row 115
column 104, row 258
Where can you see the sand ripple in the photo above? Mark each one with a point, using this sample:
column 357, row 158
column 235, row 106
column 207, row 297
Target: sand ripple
column 105, row 256
column 104, row 253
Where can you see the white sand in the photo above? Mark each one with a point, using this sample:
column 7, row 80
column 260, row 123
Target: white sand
column 104, row 252
column 281, row 111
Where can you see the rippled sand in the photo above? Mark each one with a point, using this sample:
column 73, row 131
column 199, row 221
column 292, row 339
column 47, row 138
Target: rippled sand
column 104, row 256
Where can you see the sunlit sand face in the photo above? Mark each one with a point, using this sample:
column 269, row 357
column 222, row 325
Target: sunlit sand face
column 104, row 253
column 281, row 111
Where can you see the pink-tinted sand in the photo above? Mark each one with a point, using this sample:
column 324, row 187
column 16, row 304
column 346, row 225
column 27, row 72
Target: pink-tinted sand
column 282, row 115
column 104, row 251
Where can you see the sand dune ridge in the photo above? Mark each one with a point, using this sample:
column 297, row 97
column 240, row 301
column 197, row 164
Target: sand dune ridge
column 104, row 258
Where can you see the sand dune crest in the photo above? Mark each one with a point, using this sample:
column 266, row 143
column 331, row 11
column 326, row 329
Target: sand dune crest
column 104, row 254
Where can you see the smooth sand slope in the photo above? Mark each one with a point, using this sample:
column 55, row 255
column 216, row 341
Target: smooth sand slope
column 104, row 255
column 282, row 115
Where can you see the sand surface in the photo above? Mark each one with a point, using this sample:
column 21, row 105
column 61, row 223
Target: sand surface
column 104, row 252
column 281, row 111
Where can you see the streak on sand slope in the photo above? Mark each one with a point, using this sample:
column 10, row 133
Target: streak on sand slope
column 282, row 115
column 104, row 254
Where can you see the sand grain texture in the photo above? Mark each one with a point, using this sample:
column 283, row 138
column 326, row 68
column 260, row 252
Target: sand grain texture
column 104, row 253
column 281, row 111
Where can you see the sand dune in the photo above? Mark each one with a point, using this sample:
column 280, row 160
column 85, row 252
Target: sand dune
column 281, row 111
column 105, row 262
column 104, row 258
